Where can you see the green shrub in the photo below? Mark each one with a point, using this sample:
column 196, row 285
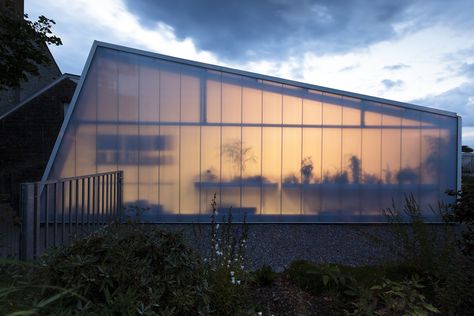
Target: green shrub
column 320, row 279
column 265, row 276
column 391, row 298
column 125, row 270
column 432, row 251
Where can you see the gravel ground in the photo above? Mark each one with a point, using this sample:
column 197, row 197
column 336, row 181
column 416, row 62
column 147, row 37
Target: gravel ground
column 278, row 245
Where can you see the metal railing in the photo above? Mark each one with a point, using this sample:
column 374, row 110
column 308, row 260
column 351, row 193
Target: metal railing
column 55, row 212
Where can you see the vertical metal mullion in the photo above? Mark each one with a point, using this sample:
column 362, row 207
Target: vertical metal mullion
column 76, row 208
column 37, row 218
column 55, row 211
column 102, row 197
column 114, row 204
column 82, row 204
column 179, row 144
column 281, row 155
column 261, row 150
column 70, row 207
column 46, row 215
column 241, row 139
column 63, row 197
column 321, row 157
column 107, row 198
column 88, row 203
column 93, row 204
column 301, row 153
column 120, row 195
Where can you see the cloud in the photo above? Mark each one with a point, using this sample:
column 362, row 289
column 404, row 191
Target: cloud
column 467, row 69
column 396, row 67
column 350, row 67
column 248, row 29
column 459, row 100
column 81, row 22
column 389, row 84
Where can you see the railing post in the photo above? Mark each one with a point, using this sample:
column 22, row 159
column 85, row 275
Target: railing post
column 120, row 196
column 27, row 209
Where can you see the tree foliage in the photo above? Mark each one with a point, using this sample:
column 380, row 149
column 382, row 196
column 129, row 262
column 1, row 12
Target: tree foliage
column 22, row 46
column 466, row 149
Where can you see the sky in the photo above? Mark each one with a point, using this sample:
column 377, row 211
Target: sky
column 419, row 51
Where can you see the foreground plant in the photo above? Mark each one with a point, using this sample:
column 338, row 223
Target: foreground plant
column 121, row 270
column 228, row 279
column 392, row 298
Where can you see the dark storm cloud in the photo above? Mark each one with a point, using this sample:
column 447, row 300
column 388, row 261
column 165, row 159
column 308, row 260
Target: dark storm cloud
column 389, row 84
column 249, row 29
column 396, row 67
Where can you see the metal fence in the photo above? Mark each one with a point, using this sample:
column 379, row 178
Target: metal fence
column 55, row 212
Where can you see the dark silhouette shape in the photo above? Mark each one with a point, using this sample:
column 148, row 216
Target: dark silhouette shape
column 354, row 165
column 407, row 176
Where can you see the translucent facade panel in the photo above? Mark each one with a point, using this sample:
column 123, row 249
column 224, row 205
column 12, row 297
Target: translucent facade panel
column 430, row 159
column 272, row 103
column 274, row 151
column 251, row 170
column 331, row 156
column 231, row 167
column 149, row 137
column 332, row 114
column 169, row 170
column 65, row 163
column 213, row 101
column 292, row 107
column 189, row 169
column 190, row 96
column 127, row 132
column 312, row 112
column 210, row 166
column 332, row 175
column 448, row 134
column 311, row 173
column 149, row 90
column 231, row 99
column 170, row 90
column 351, row 116
column 86, row 127
column 271, row 170
column 251, row 101
column 352, row 169
column 291, row 171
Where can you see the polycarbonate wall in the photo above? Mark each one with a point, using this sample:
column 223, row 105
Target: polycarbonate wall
column 276, row 152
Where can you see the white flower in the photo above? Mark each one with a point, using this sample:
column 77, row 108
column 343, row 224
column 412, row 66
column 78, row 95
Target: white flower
column 228, row 261
column 242, row 267
column 217, row 226
column 232, row 273
column 232, row 280
column 259, row 313
column 238, row 282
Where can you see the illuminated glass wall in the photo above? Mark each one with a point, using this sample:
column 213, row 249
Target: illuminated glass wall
column 275, row 152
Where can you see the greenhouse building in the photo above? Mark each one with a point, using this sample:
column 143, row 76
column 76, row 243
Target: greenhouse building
column 273, row 149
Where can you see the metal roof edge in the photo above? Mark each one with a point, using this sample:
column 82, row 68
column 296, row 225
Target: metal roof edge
column 68, row 116
column 274, row 79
